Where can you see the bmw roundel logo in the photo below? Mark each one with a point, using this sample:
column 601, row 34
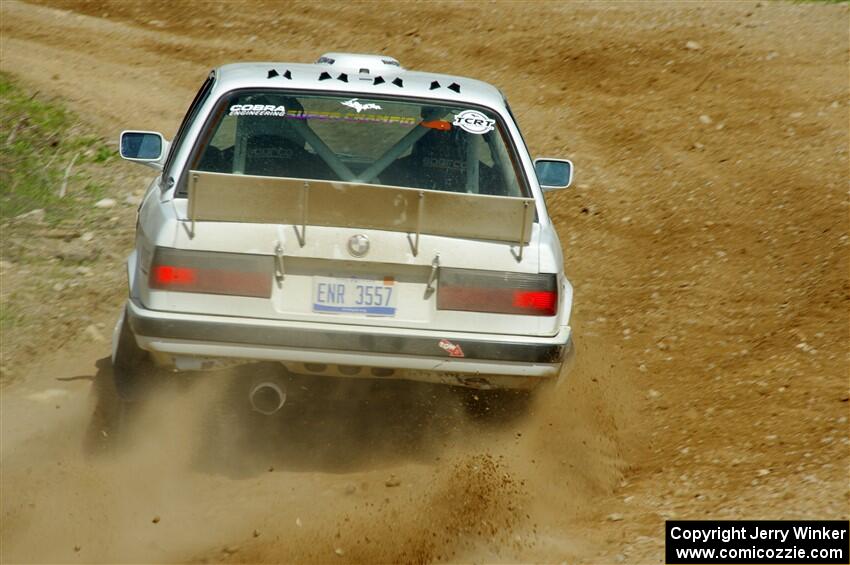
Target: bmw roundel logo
column 358, row 245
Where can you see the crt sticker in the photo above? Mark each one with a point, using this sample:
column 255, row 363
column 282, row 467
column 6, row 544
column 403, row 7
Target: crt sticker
column 474, row 121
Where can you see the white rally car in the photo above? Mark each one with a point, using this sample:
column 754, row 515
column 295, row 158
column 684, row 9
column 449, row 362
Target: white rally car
column 347, row 218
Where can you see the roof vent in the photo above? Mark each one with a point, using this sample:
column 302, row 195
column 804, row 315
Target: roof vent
column 324, row 76
column 354, row 63
column 454, row 86
column 286, row 74
column 378, row 80
column 434, row 85
column 343, row 77
column 398, row 82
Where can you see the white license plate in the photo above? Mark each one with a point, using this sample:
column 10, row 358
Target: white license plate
column 373, row 297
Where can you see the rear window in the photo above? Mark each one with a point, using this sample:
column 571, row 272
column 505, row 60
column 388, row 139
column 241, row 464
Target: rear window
column 367, row 140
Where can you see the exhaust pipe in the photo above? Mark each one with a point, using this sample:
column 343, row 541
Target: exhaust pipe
column 267, row 397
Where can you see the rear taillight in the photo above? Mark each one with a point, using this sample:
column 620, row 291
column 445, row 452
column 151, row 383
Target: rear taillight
column 497, row 292
column 211, row 273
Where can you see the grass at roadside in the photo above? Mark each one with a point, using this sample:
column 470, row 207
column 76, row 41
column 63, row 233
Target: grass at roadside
column 42, row 149
column 62, row 277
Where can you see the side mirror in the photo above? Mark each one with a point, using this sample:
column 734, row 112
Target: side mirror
column 553, row 174
column 145, row 147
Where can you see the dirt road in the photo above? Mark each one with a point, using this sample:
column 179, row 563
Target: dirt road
column 707, row 238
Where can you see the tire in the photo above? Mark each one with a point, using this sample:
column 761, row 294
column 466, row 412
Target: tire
column 500, row 406
column 133, row 371
column 108, row 426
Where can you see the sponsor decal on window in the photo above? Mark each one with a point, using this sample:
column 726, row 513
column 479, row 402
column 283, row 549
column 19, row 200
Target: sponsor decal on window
column 355, row 104
column 474, row 121
column 257, row 110
column 352, row 117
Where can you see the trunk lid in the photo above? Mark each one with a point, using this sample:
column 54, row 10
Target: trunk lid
column 307, row 226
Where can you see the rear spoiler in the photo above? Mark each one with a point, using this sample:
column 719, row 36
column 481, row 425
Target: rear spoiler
column 222, row 197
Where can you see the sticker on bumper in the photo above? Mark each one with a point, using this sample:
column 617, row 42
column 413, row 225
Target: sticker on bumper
column 452, row 349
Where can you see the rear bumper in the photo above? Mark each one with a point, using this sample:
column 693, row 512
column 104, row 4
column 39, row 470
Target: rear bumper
column 414, row 351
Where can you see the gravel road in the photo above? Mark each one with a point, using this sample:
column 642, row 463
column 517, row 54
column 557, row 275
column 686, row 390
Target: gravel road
column 706, row 236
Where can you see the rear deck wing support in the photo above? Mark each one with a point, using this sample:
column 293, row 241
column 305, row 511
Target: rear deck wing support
column 521, row 235
column 414, row 242
column 193, row 176
column 305, row 203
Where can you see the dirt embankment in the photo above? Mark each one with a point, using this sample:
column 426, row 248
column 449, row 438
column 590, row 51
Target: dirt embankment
column 707, row 238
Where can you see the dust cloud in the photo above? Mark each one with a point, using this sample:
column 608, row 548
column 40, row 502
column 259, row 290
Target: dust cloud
column 349, row 470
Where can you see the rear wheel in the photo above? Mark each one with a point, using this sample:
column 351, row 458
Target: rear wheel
column 109, row 423
column 133, row 370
